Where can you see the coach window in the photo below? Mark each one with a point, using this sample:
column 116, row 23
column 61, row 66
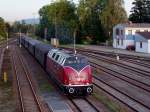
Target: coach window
column 141, row 45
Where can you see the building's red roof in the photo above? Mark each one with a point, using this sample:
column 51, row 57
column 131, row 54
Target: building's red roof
column 146, row 35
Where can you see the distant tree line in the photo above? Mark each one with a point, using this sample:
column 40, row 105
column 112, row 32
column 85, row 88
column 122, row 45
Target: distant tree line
column 23, row 27
column 91, row 21
column 2, row 29
column 140, row 12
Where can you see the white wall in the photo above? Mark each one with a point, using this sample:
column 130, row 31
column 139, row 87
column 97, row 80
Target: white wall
column 129, row 40
column 144, row 48
column 115, row 44
column 129, row 43
column 125, row 43
column 135, row 29
column 148, row 46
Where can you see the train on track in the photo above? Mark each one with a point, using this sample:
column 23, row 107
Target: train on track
column 70, row 71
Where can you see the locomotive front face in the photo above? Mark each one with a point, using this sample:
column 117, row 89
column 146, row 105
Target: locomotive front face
column 78, row 73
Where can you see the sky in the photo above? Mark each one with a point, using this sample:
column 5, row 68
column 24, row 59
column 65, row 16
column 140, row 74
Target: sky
column 12, row 10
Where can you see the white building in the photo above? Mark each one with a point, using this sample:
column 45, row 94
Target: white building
column 124, row 34
column 142, row 40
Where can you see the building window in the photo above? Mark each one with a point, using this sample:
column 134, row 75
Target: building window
column 130, row 32
column 118, row 41
column 141, row 45
column 121, row 32
column 137, row 30
column 145, row 30
column 117, row 31
column 122, row 42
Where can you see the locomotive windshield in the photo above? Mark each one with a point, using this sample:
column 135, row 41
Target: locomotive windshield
column 76, row 62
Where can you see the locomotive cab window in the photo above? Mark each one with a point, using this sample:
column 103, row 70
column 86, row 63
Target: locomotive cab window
column 57, row 57
column 76, row 62
column 53, row 55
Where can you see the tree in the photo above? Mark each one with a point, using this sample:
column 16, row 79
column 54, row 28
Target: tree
column 2, row 29
column 113, row 14
column 59, row 18
column 90, row 24
column 140, row 12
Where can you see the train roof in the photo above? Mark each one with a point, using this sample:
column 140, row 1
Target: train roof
column 43, row 47
column 33, row 42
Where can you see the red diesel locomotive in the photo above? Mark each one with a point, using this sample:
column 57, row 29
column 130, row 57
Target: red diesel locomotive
column 72, row 72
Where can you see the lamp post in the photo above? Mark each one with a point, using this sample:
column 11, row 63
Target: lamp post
column 117, row 56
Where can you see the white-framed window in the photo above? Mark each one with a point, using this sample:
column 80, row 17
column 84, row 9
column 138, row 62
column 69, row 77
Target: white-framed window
column 121, row 32
column 117, row 31
column 145, row 30
column 129, row 32
column 118, row 41
column 137, row 31
column 141, row 44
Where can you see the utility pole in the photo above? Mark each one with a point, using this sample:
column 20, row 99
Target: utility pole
column 20, row 39
column 7, row 39
column 74, row 35
column 55, row 22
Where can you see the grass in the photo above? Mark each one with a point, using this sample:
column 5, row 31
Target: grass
column 46, row 87
column 110, row 104
column 7, row 103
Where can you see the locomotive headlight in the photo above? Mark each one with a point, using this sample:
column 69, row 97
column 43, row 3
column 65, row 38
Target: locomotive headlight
column 71, row 90
column 89, row 90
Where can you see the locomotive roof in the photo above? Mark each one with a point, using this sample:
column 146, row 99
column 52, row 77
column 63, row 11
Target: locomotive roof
column 66, row 53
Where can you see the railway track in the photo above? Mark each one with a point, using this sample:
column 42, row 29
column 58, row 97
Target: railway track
column 111, row 54
column 141, row 71
column 2, row 49
column 78, row 103
column 124, row 97
column 83, row 105
column 29, row 100
column 9, row 42
column 133, row 77
column 142, row 61
column 123, row 93
column 121, row 76
column 138, row 62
